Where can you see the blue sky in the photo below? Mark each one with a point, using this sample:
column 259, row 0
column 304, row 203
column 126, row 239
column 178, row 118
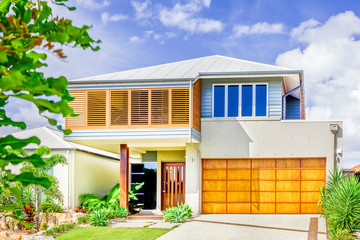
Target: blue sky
column 320, row 37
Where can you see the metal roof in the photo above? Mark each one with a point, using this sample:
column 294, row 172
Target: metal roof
column 188, row 69
column 54, row 140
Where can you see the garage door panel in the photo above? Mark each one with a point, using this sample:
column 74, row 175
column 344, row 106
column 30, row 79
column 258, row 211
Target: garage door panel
column 239, row 197
column 214, row 185
column 261, row 174
column 309, row 208
column 288, row 186
column 235, row 163
column 214, row 164
column 214, row 208
column 238, row 174
column 238, row 208
column 214, row 174
column 263, row 197
column 263, row 185
column 312, row 185
column 288, row 174
column 313, row 174
column 214, row 196
column 288, row 208
column 310, row 197
column 288, row 163
column 288, row 197
column 263, row 207
column 239, row 185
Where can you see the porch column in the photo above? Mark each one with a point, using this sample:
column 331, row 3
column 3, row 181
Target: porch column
column 124, row 176
column 193, row 177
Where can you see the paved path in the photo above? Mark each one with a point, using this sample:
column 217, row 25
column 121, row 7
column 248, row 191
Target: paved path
column 252, row 227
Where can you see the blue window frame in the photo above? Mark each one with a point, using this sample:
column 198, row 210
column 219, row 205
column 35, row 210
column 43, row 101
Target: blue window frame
column 219, row 101
column 260, row 101
column 233, row 101
column 246, row 100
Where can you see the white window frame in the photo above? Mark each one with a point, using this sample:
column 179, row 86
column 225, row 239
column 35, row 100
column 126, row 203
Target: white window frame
column 240, row 97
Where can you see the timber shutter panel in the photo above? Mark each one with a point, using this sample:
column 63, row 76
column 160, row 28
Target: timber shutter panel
column 180, row 106
column 96, row 101
column 159, row 107
column 139, row 107
column 78, row 104
column 119, row 107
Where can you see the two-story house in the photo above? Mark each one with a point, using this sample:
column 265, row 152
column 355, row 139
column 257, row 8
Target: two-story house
column 223, row 135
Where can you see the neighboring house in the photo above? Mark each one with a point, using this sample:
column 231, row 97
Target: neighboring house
column 221, row 134
column 85, row 171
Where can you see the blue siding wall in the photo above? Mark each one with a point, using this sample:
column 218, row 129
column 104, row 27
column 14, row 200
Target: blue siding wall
column 292, row 108
column 274, row 94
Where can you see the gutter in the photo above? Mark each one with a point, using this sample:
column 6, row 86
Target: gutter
column 290, row 92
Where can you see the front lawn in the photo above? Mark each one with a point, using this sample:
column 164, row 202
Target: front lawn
column 90, row 233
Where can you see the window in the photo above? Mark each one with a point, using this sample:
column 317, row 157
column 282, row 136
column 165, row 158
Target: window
column 240, row 100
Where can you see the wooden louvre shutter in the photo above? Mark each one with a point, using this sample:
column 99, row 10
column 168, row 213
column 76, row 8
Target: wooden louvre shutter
column 180, row 106
column 139, row 107
column 96, row 101
column 79, row 108
column 159, row 107
column 119, row 107
column 197, row 105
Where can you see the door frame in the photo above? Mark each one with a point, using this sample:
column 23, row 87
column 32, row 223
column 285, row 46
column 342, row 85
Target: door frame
column 162, row 180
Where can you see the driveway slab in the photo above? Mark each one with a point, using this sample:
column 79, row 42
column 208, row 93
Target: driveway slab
column 244, row 226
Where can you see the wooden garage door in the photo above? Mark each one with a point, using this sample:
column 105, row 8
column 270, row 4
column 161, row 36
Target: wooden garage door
column 262, row 185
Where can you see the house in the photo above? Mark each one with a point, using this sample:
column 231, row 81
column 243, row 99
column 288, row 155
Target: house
column 86, row 165
column 221, row 134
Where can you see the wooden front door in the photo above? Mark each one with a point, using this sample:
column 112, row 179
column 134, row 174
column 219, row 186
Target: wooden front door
column 172, row 185
column 283, row 185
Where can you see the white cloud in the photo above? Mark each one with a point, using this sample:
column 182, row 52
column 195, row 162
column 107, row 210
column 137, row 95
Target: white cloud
column 107, row 17
column 142, row 9
column 183, row 16
column 331, row 63
column 136, row 39
column 258, row 28
column 93, row 4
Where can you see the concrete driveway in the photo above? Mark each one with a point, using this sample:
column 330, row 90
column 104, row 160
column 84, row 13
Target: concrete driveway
column 246, row 226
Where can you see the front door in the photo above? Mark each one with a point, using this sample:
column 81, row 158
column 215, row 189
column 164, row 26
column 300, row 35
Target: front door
column 172, row 185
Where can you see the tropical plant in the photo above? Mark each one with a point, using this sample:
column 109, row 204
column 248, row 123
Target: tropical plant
column 93, row 202
column 344, row 235
column 99, row 217
column 44, row 225
column 118, row 213
column 178, row 214
column 28, row 33
column 84, row 219
column 340, row 203
column 49, row 206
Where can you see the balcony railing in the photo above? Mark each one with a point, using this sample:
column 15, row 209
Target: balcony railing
column 131, row 108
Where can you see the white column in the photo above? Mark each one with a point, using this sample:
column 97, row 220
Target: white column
column 193, row 177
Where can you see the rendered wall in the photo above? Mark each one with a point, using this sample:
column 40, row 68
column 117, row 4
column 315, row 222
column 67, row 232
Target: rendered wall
column 229, row 138
column 94, row 174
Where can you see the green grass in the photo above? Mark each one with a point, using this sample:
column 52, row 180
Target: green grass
column 89, row 233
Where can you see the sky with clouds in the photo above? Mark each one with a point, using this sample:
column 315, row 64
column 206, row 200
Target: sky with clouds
column 320, row 37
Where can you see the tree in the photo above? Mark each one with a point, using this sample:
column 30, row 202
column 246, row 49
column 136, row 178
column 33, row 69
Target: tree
column 28, row 33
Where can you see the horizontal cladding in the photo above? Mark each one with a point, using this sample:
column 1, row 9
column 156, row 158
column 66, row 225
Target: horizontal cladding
column 195, row 134
column 292, row 108
column 274, row 94
column 128, row 134
column 126, row 86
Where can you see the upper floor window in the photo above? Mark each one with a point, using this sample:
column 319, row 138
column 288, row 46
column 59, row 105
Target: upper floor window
column 240, row 100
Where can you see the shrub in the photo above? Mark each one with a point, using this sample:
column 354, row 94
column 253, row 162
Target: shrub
column 93, row 202
column 50, row 206
column 44, row 225
column 344, row 235
column 84, row 219
column 99, row 217
column 60, row 229
column 178, row 214
column 340, row 204
column 118, row 213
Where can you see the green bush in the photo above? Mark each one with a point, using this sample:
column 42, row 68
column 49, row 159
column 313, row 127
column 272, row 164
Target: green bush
column 60, row 229
column 118, row 213
column 178, row 214
column 99, row 217
column 44, row 225
column 84, row 219
column 344, row 235
column 93, row 202
column 50, row 206
column 340, row 204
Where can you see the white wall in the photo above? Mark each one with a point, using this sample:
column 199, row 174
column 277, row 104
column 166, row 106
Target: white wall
column 193, row 177
column 94, row 174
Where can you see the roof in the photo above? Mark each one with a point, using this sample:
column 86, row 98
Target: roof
column 356, row 168
column 187, row 69
column 54, row 140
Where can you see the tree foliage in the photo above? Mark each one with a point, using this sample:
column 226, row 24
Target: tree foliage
column 29, row 32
